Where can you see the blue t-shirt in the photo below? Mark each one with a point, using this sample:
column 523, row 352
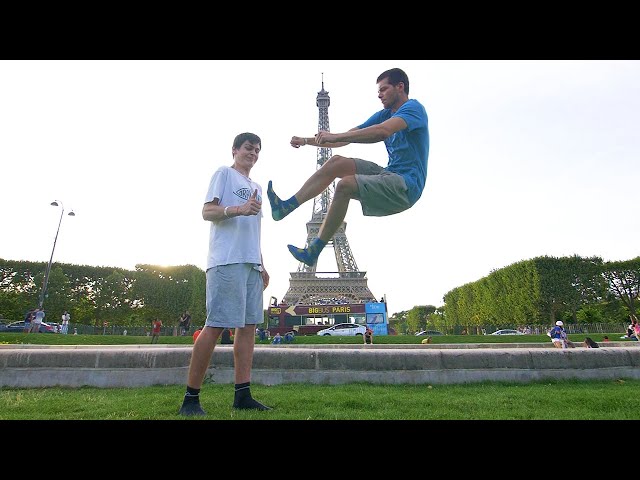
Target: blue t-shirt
column 408, row 149
column 557, row 332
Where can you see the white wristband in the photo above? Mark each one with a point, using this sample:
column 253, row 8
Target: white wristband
column 225, row 212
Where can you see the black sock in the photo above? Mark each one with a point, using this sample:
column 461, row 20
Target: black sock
column 193, row 391
column 191, row 403
column 244, row 400
column 242, row 391
column 192, row 395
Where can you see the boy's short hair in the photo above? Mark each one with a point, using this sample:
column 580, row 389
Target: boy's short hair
column 246, row 136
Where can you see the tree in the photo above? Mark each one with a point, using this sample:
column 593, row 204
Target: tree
column 623, row 280
column 418, row 316
column 398, row 321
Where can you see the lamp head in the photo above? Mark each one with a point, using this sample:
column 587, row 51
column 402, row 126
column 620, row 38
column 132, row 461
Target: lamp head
column 54, row 203
column 71, row 214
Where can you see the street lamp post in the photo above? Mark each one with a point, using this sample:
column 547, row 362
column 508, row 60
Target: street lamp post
column 43, row 293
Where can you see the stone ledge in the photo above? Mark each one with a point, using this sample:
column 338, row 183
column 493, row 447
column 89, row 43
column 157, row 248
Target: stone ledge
column 132, row 366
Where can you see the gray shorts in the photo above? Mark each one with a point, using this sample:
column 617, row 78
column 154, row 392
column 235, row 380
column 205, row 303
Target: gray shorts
column 234, row 296
column 381, row 192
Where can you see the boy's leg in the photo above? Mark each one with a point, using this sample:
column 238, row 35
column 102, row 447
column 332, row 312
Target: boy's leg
column 200, row 359
column 201, row 355
column 243, row 346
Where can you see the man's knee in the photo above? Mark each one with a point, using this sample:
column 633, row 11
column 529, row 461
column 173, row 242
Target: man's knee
column 341, row 166
column 347, row 186
column 336, row 159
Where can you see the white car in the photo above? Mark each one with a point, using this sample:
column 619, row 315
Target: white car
column 507, row 331
column 343, row 329
column 428, row 332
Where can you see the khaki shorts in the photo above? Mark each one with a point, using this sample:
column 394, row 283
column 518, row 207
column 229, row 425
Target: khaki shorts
column 234, row 296
column 381, row 192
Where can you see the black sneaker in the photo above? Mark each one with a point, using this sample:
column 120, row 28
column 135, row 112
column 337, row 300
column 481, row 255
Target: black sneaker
column 191, row 410
column 250, row 404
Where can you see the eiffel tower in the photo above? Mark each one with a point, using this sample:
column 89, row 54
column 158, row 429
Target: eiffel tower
column 348, row 284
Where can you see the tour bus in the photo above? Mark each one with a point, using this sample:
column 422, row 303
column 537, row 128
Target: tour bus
column 308, row 319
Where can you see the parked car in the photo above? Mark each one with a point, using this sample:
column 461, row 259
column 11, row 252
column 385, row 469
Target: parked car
column 56, row 326
column 429, row 332
column 18, row 326
column 507, row 331
column 343, row 329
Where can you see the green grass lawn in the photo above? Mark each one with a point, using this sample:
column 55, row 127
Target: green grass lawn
column 566, row 400
column 57, row 339
column 562, row 400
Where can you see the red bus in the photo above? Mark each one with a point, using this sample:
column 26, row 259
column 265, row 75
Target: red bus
column 308, row 319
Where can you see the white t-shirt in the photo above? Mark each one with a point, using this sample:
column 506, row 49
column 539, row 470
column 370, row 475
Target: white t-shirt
column 39, row 317
column 236, row 239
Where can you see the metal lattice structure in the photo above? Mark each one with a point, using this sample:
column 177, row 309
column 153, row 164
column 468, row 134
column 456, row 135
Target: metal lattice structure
column 348, row 284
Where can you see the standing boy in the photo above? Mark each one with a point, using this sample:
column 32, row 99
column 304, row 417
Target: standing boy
column 236, row 277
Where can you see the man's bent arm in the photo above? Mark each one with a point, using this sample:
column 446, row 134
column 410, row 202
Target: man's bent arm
column 372, row 134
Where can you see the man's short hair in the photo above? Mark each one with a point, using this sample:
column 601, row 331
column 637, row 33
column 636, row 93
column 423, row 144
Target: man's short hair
column 395, row 76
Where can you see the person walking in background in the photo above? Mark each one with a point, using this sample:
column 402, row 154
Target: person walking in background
column 235, row 274
column 66, row 317
column 156, row 328
column 559, row 336
column 38, row 318
column 186, row 323
column 28, row 318
column 403, row 127
column 181, row 325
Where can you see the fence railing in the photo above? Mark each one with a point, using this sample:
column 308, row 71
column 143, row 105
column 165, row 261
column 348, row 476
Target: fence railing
column 571, row 328
column 580, row 328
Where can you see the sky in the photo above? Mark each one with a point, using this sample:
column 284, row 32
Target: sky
column 527, row 158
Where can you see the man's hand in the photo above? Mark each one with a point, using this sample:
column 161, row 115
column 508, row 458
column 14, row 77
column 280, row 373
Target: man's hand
column 297, row 142
column 326, row 137
column 252, row 207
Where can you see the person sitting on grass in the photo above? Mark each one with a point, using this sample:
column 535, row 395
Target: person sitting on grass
column 589, row 343
column 368, row 336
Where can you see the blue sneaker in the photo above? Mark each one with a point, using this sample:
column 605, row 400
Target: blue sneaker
column 280, row 208
column 303, row 255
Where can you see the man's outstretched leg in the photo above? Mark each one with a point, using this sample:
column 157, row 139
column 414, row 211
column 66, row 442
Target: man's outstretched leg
column 346, row 189
column 336, row 167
